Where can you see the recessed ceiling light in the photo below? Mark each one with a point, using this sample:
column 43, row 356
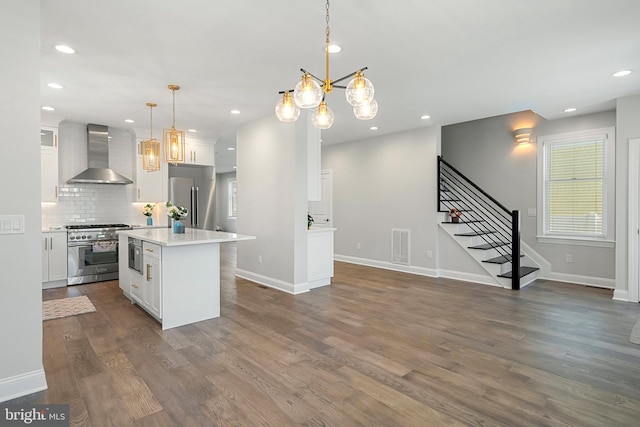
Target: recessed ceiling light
column 55, row 85
column 570, row 110
column 374, row 128
column 65, row 49
column 334, row 48
column 47, row 108
column 129, row 121
column 622, row 73
column 192, row 130
column 235, row 111
column 425, row 117
column 231, row 148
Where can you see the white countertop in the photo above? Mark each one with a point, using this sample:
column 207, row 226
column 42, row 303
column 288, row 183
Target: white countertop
column 191, row 236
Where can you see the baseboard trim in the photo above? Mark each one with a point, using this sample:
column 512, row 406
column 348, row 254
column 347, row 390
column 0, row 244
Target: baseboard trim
column 597, row 282
column 387, row 265
column 621, row 295
column 280, row 285
column 467, row 277
column 23, row 384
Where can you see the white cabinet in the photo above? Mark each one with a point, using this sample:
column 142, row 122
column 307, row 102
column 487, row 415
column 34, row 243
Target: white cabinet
column 319, row 257
column 54, row 259
column 49, row 163
column 146, row 288
column 150, row 186
column 199, row 153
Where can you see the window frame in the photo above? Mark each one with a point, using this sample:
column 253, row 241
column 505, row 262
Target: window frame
column 232, row 199
column 609, row 136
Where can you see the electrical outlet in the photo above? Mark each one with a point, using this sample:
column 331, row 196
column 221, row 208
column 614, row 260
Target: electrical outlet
column 358, row 246
column 429, row 254
column 259, row 259
column 568, row 257
column 531, row 212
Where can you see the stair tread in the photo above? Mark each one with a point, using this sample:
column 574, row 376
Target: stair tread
column 523, row 272
column 475, row 233
column 491, row 245
column 502, row 259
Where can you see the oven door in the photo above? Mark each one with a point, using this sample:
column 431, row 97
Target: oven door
column 92, row 259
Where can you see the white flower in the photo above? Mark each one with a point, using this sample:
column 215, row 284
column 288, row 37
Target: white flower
column 176, row 212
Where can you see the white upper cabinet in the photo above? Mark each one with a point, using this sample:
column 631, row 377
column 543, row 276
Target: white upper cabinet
column 199, row 153
column 49, row 163
column 150, row 186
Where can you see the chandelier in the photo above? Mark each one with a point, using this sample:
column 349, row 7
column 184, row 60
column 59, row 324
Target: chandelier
column 310, row 93
column 174, row 145
column 151, row 147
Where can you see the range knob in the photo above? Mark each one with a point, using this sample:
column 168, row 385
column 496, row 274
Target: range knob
column 88, row 236
column 72, row 237
column 84, row 236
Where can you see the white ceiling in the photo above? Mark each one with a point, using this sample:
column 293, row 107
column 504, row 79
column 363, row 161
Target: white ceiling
column 454, row 60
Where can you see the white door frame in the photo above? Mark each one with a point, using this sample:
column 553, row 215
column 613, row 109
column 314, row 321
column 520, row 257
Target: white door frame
column 633, row 230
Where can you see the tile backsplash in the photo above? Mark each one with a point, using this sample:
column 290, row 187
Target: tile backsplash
column 94, row 203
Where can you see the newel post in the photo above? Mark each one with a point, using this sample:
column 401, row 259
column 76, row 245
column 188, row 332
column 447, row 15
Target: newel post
column 515, row 250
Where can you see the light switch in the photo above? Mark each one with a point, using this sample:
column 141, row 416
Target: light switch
column 12, row 224
column 531, row 212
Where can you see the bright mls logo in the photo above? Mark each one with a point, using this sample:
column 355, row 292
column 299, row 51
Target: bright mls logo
column 34, row 415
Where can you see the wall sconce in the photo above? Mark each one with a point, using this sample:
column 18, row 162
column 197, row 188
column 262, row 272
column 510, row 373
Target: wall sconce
column 523, row 136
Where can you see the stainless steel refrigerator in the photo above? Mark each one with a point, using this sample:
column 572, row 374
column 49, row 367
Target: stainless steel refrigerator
column 198, row 198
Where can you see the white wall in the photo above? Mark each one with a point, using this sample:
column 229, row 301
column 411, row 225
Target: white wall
column 627, row 127
column 383, row 183
column 485, row 151
column 272, row 201
column 21, row 370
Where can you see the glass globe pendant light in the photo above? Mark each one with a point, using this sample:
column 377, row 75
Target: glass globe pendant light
column 359, row 90
column 286, row 108
column 323, row 117
column 366, row 111
column 307, row 93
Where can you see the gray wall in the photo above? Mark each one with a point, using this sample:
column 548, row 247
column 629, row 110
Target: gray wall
column 485, row 151
column 21, row 370
column 383, row 183
column 222, row 202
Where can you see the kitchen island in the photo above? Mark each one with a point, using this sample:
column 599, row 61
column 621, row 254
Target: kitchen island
column 178, row 276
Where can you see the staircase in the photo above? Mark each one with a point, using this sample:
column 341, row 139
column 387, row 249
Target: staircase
column 486, row 230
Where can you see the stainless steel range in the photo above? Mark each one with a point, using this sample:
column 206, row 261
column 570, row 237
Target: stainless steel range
column 92, row 252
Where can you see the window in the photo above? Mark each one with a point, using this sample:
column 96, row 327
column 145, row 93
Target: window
column 232, row 198
column 576, row 187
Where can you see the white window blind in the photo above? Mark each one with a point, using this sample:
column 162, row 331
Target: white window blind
column 232, row 198
column 575, row 187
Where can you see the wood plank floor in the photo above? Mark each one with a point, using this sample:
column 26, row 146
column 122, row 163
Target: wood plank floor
column 377, row 348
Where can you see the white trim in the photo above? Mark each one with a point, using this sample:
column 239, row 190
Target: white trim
column 621, row 295
column 421, row 271
column 23, row 384
column 280, row 285
column 633, row 227
column 576, row 279
column 468, row 277
column 576, row 241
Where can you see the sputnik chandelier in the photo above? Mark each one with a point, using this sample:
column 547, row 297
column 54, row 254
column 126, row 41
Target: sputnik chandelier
column 310, row 93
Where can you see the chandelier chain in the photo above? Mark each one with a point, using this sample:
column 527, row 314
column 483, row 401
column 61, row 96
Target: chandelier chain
column 328, row 30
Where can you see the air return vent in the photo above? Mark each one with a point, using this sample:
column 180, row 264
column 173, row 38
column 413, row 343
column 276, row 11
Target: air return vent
column 400, row 244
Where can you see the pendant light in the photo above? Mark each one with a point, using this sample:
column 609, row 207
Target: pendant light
column 174, row 145
column 310, row 92
column 151, row 147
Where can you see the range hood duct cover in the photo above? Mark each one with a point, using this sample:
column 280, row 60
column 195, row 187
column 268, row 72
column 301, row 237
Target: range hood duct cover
column 98, row 171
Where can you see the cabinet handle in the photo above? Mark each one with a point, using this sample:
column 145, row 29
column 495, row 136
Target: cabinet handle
column 46, row 244
column 51, row 245
column 148, row 272
column 55, row 140
column 138, row 193
column 148, row 250
column 56, row 191
column 134, row 286
column 194, row 157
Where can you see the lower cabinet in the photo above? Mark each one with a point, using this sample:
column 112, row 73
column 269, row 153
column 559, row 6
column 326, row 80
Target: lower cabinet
column 54, row 259
column 146, row 288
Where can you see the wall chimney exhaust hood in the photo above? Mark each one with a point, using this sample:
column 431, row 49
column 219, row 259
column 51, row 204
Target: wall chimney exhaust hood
column 98, row 171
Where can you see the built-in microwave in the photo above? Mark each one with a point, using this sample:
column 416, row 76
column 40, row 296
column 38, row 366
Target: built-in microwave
column 135, row 254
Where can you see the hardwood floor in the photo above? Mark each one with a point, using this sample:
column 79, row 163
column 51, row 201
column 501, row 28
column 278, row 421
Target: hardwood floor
column 376, row 348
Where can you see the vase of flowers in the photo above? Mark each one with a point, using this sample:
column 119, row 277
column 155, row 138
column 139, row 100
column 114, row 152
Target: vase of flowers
column 176, row 213
column 147, row 211
column 455, row 214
